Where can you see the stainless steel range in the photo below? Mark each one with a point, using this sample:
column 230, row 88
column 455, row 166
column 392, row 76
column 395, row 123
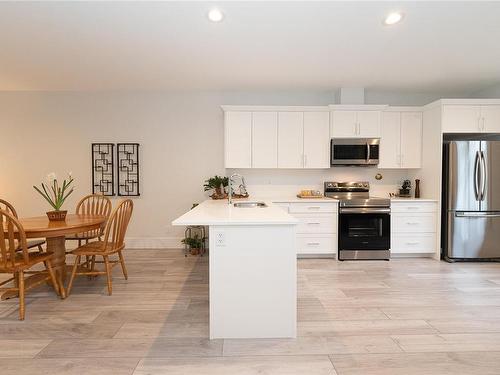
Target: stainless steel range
column 364, row 222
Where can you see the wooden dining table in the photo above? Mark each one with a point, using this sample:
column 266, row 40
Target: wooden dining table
column 55, row 233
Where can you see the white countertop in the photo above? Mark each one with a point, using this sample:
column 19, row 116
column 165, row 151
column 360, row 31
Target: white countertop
column 219, row 212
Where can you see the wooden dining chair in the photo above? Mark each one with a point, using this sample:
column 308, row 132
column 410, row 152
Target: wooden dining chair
column 4, row 205
column 113, row 243
column 18, row 262
column 93, row 204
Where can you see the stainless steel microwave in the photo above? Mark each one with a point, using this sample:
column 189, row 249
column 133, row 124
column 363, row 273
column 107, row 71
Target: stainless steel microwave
column 354, row 151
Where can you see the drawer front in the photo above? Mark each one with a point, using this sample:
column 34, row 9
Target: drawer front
column 284, row 206
column 313, row 207
column 405, row 244
column 416, row 223
column 320, row 223
column 326, row 244
column 411, row 207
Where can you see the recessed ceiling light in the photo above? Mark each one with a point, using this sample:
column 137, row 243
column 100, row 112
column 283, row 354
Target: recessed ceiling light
column 393, row 18
column 215, row 15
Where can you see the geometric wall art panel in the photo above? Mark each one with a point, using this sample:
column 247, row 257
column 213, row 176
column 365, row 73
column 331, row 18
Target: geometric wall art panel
column 103, row 169
column 128, row 169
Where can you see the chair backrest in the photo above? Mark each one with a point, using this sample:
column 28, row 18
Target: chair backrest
column 6, row 206
column 94, row 204
column 114, row 234
column 12, row 238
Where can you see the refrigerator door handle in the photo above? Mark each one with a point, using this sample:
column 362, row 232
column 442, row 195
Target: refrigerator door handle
column 476, row 176
column 483, row 176
column 478, row 214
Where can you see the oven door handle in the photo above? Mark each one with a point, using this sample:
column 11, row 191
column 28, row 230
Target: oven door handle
column 361, row 210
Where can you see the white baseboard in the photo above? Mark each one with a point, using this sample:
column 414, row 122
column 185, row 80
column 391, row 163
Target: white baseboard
column 153, row 242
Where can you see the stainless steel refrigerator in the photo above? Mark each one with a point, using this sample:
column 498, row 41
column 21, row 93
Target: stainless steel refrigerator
column 471, row 197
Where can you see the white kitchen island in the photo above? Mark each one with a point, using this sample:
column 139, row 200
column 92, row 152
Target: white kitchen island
column 252, row 269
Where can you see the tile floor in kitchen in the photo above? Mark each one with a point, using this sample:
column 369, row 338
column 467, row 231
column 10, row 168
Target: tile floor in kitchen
column 406, row 316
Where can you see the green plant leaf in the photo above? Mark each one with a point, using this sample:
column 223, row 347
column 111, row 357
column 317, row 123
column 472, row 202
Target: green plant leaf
column 45, row 196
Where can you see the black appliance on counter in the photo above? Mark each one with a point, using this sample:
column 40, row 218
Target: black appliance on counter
column 364, row 227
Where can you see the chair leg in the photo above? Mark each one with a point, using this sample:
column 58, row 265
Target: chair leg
column 108, row 274
column 20, row 277
column 58, row 288
column 40, row 249
column 16, row 279
column 73, row 273
column 122, row 261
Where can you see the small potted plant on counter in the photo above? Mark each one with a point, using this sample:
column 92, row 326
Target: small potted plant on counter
column 56, row 194
column 194, row 243
column 218, row 185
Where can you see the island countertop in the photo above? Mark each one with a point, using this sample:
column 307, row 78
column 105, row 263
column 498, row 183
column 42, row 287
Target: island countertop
column 219, row 212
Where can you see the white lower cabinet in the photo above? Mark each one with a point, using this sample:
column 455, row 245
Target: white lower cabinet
column 413, row 227
column 317, row 228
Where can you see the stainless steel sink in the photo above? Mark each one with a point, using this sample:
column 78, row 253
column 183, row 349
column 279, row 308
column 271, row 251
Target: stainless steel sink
column 250, row 204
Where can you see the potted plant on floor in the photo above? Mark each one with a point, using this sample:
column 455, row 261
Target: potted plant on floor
column 56, row 194
column 218, row 185
column 194, row 243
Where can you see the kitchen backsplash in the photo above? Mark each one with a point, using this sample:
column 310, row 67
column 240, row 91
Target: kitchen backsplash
column 273, row 182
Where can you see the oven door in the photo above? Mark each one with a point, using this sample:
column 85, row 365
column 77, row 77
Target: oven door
column 362, row 229
column 362, row 151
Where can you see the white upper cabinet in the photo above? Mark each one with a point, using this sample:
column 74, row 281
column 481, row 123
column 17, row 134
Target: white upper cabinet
column 491, row 118
column 411, row 139
column 401, row 140
column 316, row 140
column 264, row 139
column 390, row 140
column 462, row 119
column 355, row 124
column 369, row 124
column 277, row 137
column 290, row 140
column 238, row 139
column 344, row 124
column 471, row 118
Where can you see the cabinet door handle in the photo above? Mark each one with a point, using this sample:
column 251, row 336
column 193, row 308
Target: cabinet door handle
column 305, row 160
column 412, row 223
column 483, row 124
column 313, row 243
column 313, row 208
column 412, row 243
column 313, row 223
column 412, row 208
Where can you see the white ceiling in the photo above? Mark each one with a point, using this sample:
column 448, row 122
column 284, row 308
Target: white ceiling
column 440, row 46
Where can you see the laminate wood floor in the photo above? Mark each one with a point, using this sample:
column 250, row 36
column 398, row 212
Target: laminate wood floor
column 404, row 317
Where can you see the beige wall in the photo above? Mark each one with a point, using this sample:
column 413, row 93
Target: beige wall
column 181, row 137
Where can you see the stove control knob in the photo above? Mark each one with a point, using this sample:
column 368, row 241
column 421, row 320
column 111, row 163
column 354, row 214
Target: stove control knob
column 365, row 185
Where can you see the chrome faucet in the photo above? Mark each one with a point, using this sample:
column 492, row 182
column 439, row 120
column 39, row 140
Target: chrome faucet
column 242, row 187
